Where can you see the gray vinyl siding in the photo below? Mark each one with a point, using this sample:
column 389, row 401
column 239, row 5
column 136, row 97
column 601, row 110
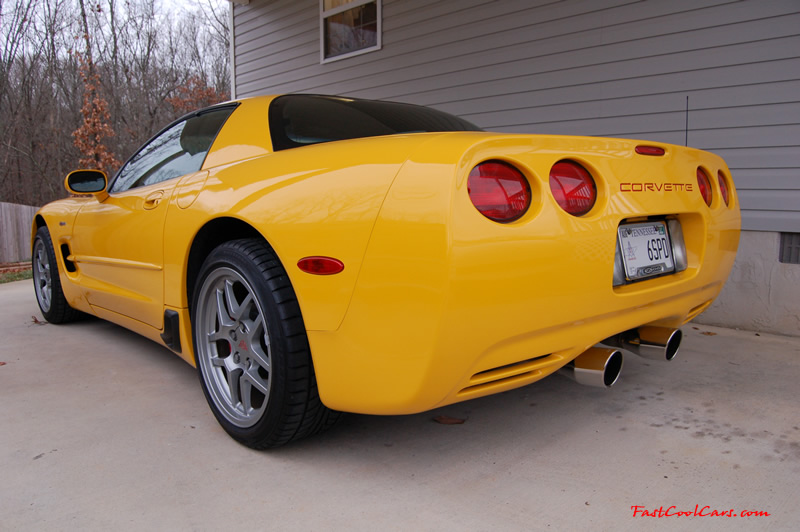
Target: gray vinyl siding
column 620, row 68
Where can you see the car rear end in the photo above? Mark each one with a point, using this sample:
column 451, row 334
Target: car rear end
column 502, row 267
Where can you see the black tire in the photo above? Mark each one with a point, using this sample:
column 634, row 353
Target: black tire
column 251, row 348
column 47, row 281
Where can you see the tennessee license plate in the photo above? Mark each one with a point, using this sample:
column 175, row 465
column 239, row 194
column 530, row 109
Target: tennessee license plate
column 646, row 250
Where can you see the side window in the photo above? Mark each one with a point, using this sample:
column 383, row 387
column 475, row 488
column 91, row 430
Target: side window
column 177, row 151
column 348, row 28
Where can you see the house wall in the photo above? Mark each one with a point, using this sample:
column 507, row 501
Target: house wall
column 762, row 293
column 622, row 68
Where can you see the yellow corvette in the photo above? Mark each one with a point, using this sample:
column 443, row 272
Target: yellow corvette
column 314, row 254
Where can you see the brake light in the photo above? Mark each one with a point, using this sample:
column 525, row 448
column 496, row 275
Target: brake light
column 650, row 150
column 723, row 186
column 704, row 184
column 573, row 187
column 320, row 265
column 499, row 191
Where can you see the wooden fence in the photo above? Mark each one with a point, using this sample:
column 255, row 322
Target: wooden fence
column 15, row 231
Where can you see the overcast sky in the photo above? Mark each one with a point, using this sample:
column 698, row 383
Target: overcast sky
column 189, row 5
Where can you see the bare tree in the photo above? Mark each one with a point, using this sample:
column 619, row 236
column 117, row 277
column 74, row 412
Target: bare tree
column 147, row 63
column 95, row 128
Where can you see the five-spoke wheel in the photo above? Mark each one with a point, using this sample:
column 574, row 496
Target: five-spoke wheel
column 42, row 280
column 251, row 348
column 233, row 346
column 47, row 281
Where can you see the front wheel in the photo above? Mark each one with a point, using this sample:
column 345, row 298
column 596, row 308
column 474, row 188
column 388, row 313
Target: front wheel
column 251, row 348
column 47, row 281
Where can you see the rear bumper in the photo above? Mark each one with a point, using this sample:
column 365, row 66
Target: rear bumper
column 420, row 333
column 450, row 306
column 408, row 366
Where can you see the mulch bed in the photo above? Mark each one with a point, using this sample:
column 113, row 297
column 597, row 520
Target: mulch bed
column 13, row 267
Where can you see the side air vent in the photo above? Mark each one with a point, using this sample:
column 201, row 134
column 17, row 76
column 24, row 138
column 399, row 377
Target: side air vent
column 519, row 372
column 68, row 264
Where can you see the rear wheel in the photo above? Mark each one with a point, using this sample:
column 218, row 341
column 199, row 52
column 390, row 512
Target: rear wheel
column 47, row 281
column 251, row 348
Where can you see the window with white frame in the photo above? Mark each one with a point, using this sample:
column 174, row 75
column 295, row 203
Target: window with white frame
column 349, row 27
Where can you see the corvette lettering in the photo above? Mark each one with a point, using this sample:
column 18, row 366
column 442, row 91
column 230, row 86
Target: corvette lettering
column 655, row 187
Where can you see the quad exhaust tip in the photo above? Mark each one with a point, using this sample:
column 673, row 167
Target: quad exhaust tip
column 597, row 366
column 600, row 366
column 654, row 343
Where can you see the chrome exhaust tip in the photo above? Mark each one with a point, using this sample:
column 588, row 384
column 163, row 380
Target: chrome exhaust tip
column 654, row 343
column 597, row 366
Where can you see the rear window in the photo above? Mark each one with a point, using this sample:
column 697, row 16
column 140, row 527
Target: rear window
column 300, row 119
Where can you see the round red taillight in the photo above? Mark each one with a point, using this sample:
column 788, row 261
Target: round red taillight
column 723, row 187
column 573, row 187
column 704, row 184
column 499, row 191
column 320, row 265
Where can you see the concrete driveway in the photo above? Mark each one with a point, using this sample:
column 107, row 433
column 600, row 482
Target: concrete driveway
column 104, row 430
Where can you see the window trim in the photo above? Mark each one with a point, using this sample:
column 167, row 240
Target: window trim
column 341, row 9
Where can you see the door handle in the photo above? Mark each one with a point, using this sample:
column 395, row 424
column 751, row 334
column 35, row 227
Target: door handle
column 153, row 199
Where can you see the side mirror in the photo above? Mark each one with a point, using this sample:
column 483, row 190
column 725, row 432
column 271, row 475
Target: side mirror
column 87, row 182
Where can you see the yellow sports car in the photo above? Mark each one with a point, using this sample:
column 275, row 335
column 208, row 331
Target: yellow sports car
column 315, row 254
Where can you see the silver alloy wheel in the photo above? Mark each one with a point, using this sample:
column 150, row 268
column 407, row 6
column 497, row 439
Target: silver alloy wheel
column 233, row 348
column 42, row 279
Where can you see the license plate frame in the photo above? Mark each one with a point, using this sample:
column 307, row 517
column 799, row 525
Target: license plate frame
column 646, row 250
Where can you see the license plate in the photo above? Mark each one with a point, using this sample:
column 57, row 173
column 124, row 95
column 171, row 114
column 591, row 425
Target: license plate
column 646, row 250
